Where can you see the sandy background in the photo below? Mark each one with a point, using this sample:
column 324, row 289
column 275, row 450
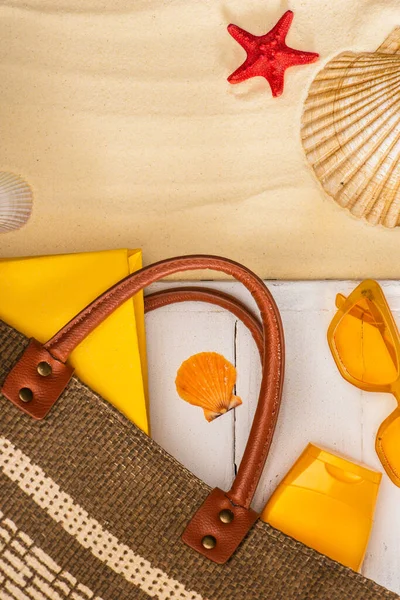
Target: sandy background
column 123, row 122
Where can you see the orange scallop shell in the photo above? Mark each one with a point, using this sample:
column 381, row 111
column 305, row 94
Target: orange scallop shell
column 207, row 380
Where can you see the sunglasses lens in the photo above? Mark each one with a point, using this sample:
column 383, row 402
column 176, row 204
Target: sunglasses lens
column 388, row 446
column 365, row 345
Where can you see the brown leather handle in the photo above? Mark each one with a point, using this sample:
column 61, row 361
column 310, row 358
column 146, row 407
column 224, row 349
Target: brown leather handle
column 70, row 336
column 210, row 296
column 44, row 391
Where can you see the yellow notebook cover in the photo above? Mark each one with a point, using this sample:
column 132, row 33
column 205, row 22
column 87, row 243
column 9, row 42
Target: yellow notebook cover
column 41, row 294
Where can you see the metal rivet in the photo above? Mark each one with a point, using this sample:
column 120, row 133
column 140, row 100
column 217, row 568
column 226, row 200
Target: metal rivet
column 25, row 395
column 209, row 542
column 226, row 516
column 44, row 369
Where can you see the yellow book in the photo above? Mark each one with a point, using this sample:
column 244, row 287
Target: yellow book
column 41, row 294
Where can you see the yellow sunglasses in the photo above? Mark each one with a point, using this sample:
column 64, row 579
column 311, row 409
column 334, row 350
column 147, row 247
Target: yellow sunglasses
column 365, row 343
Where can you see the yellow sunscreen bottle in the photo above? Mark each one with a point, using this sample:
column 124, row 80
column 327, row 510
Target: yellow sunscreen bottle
column 328, row 503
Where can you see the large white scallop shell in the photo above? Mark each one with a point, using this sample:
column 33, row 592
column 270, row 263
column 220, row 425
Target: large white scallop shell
column 15, row 202
column 351, row 131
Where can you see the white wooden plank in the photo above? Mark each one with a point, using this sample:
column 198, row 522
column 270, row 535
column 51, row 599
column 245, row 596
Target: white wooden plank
column 173, row 335
column 318, row 405
column 382, row 560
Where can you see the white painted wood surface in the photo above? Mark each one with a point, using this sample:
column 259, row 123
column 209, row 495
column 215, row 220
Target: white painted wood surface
column 318, row 405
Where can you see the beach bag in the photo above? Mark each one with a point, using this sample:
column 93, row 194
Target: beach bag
column 92, row 508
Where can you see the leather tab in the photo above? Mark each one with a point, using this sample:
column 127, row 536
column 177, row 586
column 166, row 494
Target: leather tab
column 25, row 377
column 207, row 522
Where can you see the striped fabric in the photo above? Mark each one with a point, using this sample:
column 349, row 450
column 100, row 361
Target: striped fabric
column 28, row 573
column 87, row 531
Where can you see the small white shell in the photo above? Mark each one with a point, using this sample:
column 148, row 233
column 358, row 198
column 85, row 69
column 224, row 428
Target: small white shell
column 351, row 131
column 15, row 202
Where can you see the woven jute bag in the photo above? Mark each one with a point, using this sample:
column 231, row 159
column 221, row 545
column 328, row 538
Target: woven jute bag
column 90, row 507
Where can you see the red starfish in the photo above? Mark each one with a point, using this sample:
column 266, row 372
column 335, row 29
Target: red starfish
column 267, row 55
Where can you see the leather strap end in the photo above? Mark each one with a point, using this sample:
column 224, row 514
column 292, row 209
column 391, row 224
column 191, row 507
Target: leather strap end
column 218, row 527
column 36, row 381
